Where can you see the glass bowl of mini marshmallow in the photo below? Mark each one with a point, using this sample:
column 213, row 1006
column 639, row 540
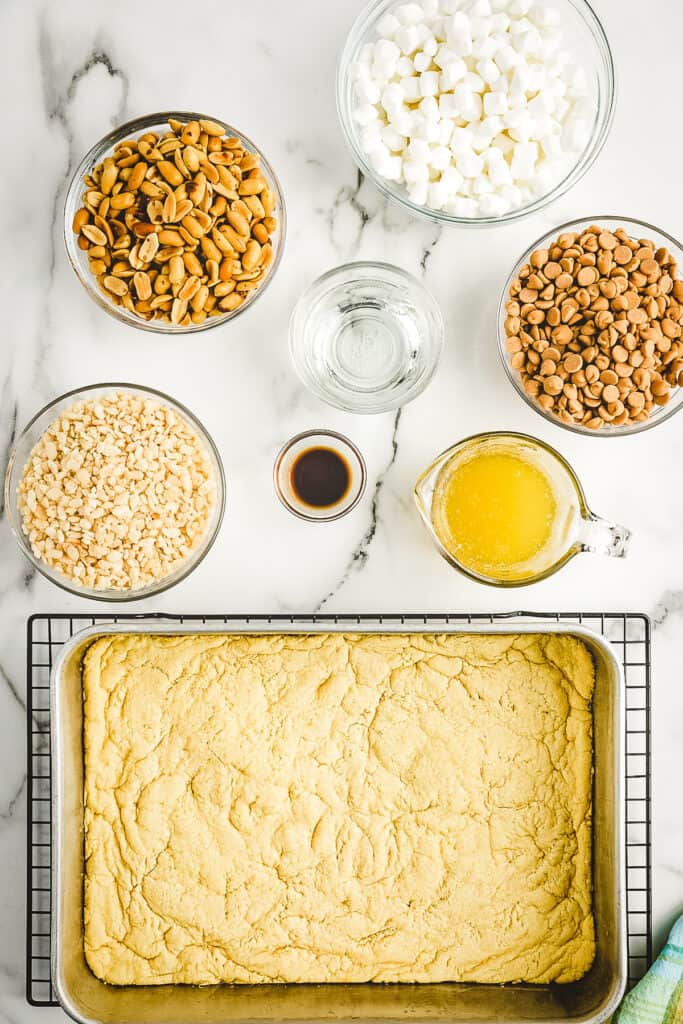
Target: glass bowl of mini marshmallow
column 476, row 112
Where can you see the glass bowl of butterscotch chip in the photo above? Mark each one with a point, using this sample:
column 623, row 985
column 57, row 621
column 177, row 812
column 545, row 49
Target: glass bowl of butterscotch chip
column 590, row 326
column 174, row 222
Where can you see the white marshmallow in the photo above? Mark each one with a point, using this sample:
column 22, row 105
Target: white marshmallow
column 474, row 109
column 368, row 91
column 437, row 195
column 512, row 194
column 421, row 61
column 452, row 73
column 495, row 103
column 524, row 159
column 484, row 48
column 371, row 136
column 474, row 81
column 409, row 14
column 440, row 158
column 365, row 114
column 551, row 144
column 418, row 151
column 461, row 140
column 444, row 56
column 386, row 50
column 407, row 39
column 430, row 45
column 499, row 172
column 360, row 71
column 507, row 58
column 392, row 139
column 392, row 98
column 466, row 208
column 493, row 206
column 413, row 171
column 394, row 168
column 544, row 16
column 518, row 7
column 480, row 9
column 448, row 105
column 429, row 108
column 405, row 67
column 387, row 25
column 488, row 70
column 411, row 89
column 482, row 185
column 504, row 143
column 429, row 83
column 403, row 122
column 499, row 23
column 541, row 105
column 470, row 164
column 445, row 131
column 561, row 109
column 426, row 129
column 452, row 179
column 366, row 54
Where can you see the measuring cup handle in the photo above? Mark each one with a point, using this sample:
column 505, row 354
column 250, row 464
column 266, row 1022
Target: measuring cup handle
column 602, row 537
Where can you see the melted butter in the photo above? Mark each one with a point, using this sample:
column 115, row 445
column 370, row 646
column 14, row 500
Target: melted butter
column 494, row 512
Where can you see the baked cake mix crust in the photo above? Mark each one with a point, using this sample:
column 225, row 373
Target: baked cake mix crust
column 338, row 808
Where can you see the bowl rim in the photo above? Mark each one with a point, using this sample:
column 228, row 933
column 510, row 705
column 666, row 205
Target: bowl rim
column 322, row 432
column 152, row 589
column 587, row 158
column 609, row 431
column 97, row 152
column 363, row 268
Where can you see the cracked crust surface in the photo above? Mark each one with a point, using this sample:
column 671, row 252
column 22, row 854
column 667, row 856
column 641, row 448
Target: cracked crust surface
column 338, row 808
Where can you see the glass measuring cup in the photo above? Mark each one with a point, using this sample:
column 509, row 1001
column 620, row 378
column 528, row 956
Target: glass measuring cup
column 574, row 527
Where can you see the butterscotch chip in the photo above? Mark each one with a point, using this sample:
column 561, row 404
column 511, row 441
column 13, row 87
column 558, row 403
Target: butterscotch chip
column 552, row 270
column 573, row 362
column 607, row 240
column 623, row 254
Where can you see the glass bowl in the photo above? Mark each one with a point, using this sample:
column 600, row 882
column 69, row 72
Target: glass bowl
column 284, row 466
column 79, row 259
column 636, row 229
column 585, row 37
column 34, row 431
column 366, row 337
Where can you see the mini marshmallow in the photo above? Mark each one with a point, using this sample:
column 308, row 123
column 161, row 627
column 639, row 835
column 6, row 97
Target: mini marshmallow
column 386, row 51
column 387, row 26
column 493, row 206
column 411, row 89
column 512, row 195
column 480, row 9
column 452, row 179
column 444, row 56
column 407, row 39
column 429, row 83
column 541, row 105
column 392, row 98
column 495, row 103
column 440, row 158
column 488, row 70
column 474, row 81
column 518, row 8
column 421, row 61
column 368, row 91
column 461, row 140
column 470, row 164
column 430, row 46
column 365, row 114
column 507, row 58
column 543, row 16
column 499, row 23
column 473, row 110
column 392, row 139
column 504, row 143
column 445, row 131
column 359, row 71
column 414, row 172
column 410, row 14
column 499, row 172
column 482, row 185
column 426, row 129
column 367, row 52
column 405, row 67
column 371, row 136
column 452, row 73
column 429, row 108
column 437, row 195
column 448, row 105
column 524, row 157
column 551, row 144
column 403, row 122
column 465, row 207
column 484, row 48
column 419, row 151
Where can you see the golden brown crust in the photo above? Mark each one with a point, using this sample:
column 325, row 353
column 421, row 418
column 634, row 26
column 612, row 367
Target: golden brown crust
column 338, row 808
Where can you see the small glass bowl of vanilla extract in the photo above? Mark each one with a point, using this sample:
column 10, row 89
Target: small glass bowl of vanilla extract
column 319, row 475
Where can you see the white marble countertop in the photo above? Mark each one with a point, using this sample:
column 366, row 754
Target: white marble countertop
column 71, row 70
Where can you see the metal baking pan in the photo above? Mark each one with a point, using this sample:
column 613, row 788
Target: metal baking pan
column 592, row 999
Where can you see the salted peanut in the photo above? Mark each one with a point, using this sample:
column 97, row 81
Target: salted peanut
column 174, row 212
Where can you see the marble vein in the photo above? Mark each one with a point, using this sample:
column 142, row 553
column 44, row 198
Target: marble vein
column 361, row 552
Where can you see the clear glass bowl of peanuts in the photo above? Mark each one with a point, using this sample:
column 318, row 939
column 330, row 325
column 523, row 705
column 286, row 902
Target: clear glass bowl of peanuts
column 174, row 222
column 114, row 492
column 590, row 326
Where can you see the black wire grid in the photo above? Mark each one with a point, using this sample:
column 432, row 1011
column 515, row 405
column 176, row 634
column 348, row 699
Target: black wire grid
column 629, row 634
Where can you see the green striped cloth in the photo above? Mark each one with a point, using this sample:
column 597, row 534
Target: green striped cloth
column 658, row 997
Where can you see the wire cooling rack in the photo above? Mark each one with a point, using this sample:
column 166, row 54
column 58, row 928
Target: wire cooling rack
column 629, row 634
